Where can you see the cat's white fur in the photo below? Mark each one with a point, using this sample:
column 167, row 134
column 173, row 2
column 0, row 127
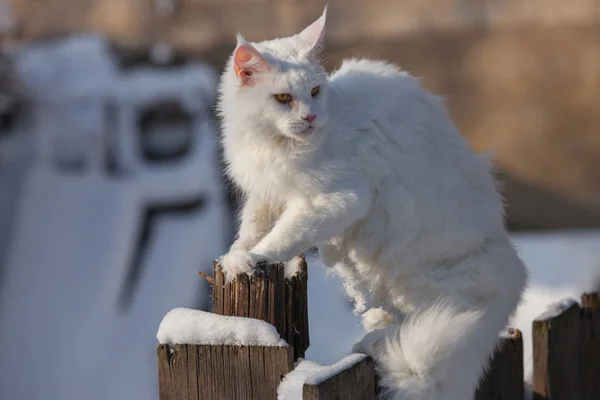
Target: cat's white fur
column 391, row 194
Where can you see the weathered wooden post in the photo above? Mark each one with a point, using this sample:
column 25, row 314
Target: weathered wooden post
column 269, row 296
column 504, row 378
column 219, row 372
column 566, row 352
column 590, row 345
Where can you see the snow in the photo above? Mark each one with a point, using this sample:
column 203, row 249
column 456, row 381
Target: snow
column 77, row 66
column 292, row 267
column 187, row 326
column 508, row 334
column 312, row 373
column 195, row 84
column 555, row 309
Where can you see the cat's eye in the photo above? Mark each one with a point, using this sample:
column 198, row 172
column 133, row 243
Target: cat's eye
column 283, row 98
column 315, row 91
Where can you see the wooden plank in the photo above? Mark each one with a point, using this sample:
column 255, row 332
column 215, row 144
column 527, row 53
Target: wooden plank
column 269, row 296
column 296, row 301
column 590, row 346
column 557, row 356
column 354, row 383
column 164, row 372
column 504, row 378
column 204, row 372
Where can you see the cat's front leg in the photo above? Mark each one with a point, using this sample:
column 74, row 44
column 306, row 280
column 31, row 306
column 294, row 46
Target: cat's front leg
column 312, row 220
column 255, row 221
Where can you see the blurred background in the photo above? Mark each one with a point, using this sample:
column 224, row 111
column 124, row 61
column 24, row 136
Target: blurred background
column 111, row 191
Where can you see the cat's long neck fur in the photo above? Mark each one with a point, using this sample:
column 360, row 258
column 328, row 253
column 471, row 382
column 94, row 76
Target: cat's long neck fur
column 369, row 167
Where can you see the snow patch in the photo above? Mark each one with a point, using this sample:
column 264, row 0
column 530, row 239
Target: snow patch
column 508, row 334
column 70, row 68
column 312, row 373
column 187, row 326
column 292, row 267
column 557, row 308
column 193, row 84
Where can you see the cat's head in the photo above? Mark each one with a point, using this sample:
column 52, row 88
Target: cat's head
column 277, row 87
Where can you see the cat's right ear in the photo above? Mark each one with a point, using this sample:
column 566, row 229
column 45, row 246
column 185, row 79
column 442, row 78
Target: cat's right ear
column 247, row 62
column 313, row 36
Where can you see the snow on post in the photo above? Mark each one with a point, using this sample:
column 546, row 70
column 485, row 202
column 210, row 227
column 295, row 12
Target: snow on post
column 258, row 327
column 350, row 378
column 186, row 326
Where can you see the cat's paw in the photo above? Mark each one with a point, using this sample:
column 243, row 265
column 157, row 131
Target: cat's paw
column 239, row 262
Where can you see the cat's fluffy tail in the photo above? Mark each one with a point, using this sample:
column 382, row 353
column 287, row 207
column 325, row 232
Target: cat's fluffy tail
column 437, row 354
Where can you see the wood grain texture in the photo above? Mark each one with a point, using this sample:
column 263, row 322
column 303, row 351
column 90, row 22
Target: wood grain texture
column 504, row 378
column 354, row 383
column 566, row 352
column 589, row 341
column 204, row 372
column 268, row 296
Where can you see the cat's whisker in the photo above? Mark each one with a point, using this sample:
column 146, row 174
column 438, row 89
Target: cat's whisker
column 334, row 56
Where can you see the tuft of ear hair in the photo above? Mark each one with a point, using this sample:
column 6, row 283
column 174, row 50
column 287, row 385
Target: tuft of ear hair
column 313, row 36
column 248, row 62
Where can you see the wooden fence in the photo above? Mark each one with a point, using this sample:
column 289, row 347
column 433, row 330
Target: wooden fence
column 566, row 351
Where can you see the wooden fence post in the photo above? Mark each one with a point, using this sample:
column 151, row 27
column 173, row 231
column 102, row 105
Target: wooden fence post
column 590, row 345
column 269, row 296
column 220, row 372
column 566, row 352
column 504, row 377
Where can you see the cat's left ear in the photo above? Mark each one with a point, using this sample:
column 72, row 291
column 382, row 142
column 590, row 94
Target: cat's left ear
column 314, row 35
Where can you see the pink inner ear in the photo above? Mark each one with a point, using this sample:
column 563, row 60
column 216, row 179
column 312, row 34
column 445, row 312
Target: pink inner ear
column 247, row 61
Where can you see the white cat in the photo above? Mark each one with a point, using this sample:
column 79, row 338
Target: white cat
column 369, row 167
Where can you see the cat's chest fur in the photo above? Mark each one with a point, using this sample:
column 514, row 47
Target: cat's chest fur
column 272, row 170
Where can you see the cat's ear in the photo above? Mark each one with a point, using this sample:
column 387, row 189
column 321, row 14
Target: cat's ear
column 314, row 35
column 247, row 62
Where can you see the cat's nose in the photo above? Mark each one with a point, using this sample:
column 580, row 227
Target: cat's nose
column 310, row 118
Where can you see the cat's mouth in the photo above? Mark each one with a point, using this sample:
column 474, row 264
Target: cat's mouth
column 308, row 131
